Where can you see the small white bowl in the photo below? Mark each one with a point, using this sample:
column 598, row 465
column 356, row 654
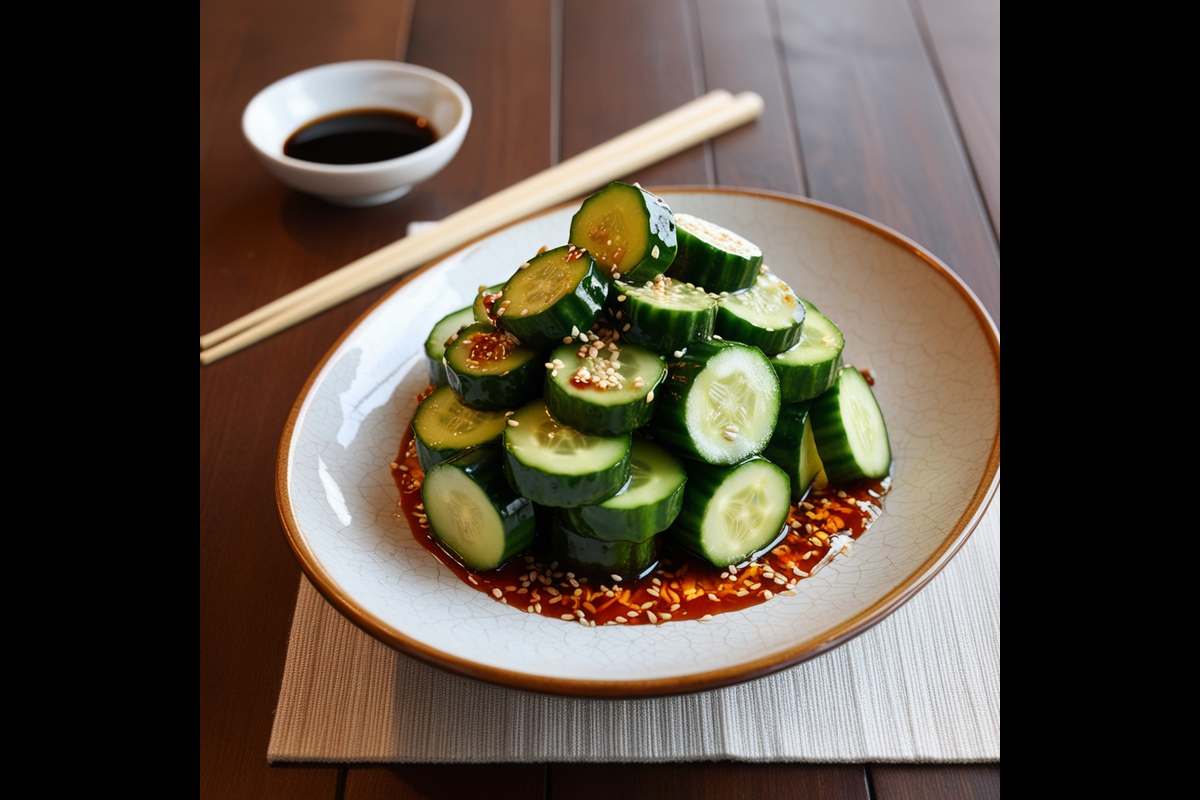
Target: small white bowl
column 289, row 104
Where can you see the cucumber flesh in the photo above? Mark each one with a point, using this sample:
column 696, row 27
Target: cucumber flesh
column 647, row 505
column 603, row 394
column 712, row 257
column 768, row 315
column 435, row 345
column 561, row 291
column 720, row 403
column 794, row 449
column 732, row 514
column 473, row 513
column 483, row 310
column 849, row 430
column 810, row 368
column 556, row 465
column 443, row 427
column 490, row 370
column 628, row 230
column 663, row 314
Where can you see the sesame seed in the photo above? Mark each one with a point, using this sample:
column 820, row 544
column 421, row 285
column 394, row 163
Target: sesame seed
column 524, row 312
column 524, row 266
column 706, row 618
column 616, row 578
column 679, row 354
column 569, row 617
column 650, row 397
column 654, row 252
column 514, row 423
column 620, row 298
column 496, row 593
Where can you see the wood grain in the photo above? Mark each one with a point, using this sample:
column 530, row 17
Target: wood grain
column 931, row 782
column 447, row 782
column 706, row 781
column 964, row 39
column 613, row 80
column 877, row 134
column 740, row 51
column 855, row 108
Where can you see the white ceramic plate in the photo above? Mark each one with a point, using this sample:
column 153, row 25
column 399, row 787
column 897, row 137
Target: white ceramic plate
column 935, row 357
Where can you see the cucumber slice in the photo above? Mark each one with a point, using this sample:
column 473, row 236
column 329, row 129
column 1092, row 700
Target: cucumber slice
column 558, row 294
column 719, row 404
column 435, row 345
column 811, row 367
column 628, row 230
column 555, row 465
column 849, row 430
column 647, row 505
column 487, row 296
column 793, row 448
column 713, row 257
column 732, row 514
column 600, row 559
column 664, row 314
column 443, row 427
column 606, row 394
column 489, row 370
column 768, row 315
column 473, row 513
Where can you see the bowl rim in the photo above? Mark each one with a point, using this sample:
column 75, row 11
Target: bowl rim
column 858, row 624
column 446, row 141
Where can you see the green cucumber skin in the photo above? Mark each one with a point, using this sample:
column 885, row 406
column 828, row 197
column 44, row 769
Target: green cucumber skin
column 437, row 372
column 430, row 458
column 703, row 483
column 495, row 392
column 662, row 230
column 579, row 308
column 597, row 420
column 670, row 417
column 700, row 264
column 627, row 524
column 484, row 465
column 733, row 328
column 435, row 345
column 564, row 491
column 478, row 312
column 664, row 330
column 594, row 419
column 601, row 559
column 829, row 430
column 798, row 383
column 786, row 447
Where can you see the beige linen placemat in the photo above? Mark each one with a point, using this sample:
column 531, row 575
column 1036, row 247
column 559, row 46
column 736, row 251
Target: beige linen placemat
column 921, row 686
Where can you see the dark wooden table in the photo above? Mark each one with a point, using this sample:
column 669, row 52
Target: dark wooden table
column 887, row 107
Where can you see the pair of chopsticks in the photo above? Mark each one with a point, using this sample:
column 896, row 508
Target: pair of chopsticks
column 692, row 123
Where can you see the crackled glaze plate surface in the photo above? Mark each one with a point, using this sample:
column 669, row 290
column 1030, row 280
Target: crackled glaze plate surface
column 931, row 348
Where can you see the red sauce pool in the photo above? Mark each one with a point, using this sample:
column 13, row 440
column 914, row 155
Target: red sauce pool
column 682, row 586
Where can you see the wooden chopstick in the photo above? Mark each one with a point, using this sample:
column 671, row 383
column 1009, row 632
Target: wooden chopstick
column 488, row 206
column 686, row 126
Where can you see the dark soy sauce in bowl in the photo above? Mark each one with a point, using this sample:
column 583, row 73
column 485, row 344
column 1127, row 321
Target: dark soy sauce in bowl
column 361, row 136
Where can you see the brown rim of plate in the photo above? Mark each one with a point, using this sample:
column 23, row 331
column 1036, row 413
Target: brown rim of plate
column 856, row 625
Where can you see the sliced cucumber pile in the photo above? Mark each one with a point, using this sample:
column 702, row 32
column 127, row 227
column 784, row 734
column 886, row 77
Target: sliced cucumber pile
column 650, row 379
